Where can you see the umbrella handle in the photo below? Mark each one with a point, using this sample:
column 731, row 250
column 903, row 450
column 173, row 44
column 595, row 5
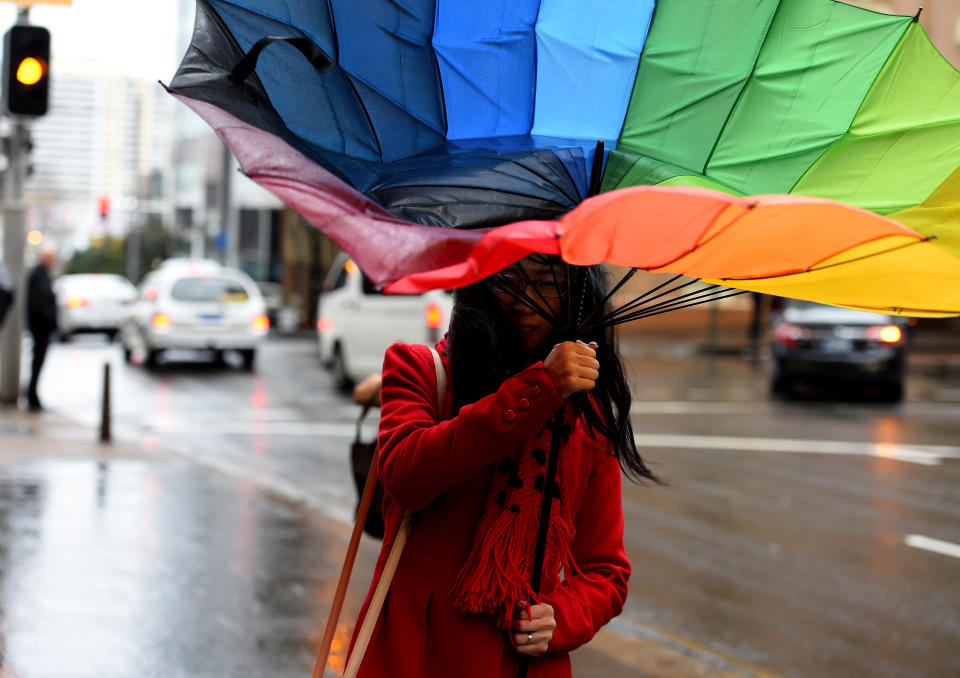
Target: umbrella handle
column 320, row 59
column 545, row 505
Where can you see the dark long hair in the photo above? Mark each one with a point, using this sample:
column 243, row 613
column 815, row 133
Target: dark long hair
column 485, row 349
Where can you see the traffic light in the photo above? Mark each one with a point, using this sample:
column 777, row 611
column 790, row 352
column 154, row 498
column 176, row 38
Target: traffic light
column 26, row 69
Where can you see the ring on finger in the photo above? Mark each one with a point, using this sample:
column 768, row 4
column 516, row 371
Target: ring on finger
column 529, row 638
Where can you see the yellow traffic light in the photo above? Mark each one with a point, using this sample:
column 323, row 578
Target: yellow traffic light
column 30, row 71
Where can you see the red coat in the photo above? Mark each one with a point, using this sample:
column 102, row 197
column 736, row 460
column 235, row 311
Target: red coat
column 442, row 471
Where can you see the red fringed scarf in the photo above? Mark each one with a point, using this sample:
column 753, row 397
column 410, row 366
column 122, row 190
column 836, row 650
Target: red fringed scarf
column 497, row 571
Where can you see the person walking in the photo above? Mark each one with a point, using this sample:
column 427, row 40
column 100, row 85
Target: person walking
column 471, row 471
column 41, row 319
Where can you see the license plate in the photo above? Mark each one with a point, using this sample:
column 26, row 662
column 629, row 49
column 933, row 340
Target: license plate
column 211, row 318
column 836, row 345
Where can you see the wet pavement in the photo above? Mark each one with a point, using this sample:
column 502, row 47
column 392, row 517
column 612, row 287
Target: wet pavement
column 119, row 562
column 206, row 539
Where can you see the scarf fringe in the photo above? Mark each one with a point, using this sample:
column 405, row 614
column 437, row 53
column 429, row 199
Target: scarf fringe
column 497, row 572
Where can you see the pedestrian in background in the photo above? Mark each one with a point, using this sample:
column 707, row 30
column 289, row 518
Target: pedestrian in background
column 41, row 319
column 6, row 292
column 471, row 471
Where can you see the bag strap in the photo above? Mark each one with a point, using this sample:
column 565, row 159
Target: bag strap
column 363, row 414
column 380, row 593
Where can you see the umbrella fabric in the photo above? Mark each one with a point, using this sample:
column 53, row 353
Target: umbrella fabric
column 382, row 124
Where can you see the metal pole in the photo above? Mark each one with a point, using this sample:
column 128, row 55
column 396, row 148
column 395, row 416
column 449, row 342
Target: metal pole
column 105, row 406
column 133, row 250
column 14, row 244
column 228, row 217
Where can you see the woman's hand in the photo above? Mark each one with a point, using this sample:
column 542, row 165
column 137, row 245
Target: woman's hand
column 573, row 366
column 532, row 637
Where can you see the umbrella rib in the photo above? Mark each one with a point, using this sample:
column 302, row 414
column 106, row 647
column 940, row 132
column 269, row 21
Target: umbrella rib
column 837, row 263
column 647, row 313
column 668, row 304
column 546, row 304
column 607, row 298
column 511, row 290
column 645, row 298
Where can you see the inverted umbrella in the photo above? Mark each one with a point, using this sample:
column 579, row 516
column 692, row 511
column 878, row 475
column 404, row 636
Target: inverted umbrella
column 380, row 123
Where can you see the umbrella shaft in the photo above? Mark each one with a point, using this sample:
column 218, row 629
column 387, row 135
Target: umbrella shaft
column 544, row 524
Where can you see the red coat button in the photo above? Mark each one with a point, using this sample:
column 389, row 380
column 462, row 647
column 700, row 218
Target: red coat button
column 535, row 392
column 523, row 404
column 509, row 416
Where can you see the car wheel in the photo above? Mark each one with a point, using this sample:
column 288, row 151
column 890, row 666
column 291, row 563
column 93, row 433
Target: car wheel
column 893, row 392
column 341, row 377
column 779, row 384
column 153, row 358
column 249, row 357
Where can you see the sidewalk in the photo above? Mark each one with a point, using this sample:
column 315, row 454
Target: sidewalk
column 123, row 560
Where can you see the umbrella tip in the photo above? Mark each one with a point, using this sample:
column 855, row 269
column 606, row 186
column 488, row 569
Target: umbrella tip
column 916, row 17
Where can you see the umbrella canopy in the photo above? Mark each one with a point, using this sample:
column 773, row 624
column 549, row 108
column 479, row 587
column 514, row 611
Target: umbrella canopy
column 385, row 124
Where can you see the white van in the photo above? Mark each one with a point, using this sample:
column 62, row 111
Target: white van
column 356, row 322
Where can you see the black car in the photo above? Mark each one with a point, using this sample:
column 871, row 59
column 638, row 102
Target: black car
column 817, row 345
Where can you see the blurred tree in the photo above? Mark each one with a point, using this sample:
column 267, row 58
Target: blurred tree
column 105, row 255
column 109, row 255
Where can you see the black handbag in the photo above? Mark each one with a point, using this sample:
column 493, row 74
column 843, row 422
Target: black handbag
column 361, row 458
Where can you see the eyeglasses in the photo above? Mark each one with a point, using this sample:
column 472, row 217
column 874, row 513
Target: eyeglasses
column 511, row 283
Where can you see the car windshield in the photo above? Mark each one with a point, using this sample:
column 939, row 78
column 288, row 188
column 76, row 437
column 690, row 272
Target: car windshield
column 206, row 290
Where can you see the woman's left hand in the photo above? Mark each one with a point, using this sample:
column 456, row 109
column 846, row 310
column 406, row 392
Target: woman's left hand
column 532, row 637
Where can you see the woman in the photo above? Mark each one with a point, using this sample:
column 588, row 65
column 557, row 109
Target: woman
column 471, row 470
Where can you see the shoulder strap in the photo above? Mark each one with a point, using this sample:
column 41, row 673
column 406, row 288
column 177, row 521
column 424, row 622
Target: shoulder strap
column 383, row 586
column 441, row 381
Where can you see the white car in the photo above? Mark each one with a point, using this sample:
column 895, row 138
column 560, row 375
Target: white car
column 356, row 322
column 195, row 305
column 89, row 302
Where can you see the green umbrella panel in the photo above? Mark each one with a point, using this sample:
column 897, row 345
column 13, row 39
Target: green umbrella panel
column 813, row 97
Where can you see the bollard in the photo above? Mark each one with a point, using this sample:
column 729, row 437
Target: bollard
column 105, row 406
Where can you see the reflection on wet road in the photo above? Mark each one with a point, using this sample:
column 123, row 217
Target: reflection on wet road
column 139, row 568
column 799, row 538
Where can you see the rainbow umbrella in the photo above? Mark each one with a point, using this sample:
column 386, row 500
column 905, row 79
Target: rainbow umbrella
column 803, row 148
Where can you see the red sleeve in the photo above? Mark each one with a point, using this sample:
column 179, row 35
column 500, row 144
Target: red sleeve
column 589, row 598
column 421, row 458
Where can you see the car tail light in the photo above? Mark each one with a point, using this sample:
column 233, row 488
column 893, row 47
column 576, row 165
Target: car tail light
column 77, row 302
column 888, row 334
column 789, row 334
column 433, row 315
column 260, row 323
column 161, row 321
column 325, row 324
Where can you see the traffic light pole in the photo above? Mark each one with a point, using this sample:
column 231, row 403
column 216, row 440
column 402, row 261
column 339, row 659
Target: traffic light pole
column 14, row 244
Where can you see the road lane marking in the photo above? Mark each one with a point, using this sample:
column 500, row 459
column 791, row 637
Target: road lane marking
column 765, row 407
column 928, row 455
column 918, row 541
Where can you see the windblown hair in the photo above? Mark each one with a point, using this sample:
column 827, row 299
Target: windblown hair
column 485, row 349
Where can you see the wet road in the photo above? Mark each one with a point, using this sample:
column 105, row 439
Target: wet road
column 794, row 538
